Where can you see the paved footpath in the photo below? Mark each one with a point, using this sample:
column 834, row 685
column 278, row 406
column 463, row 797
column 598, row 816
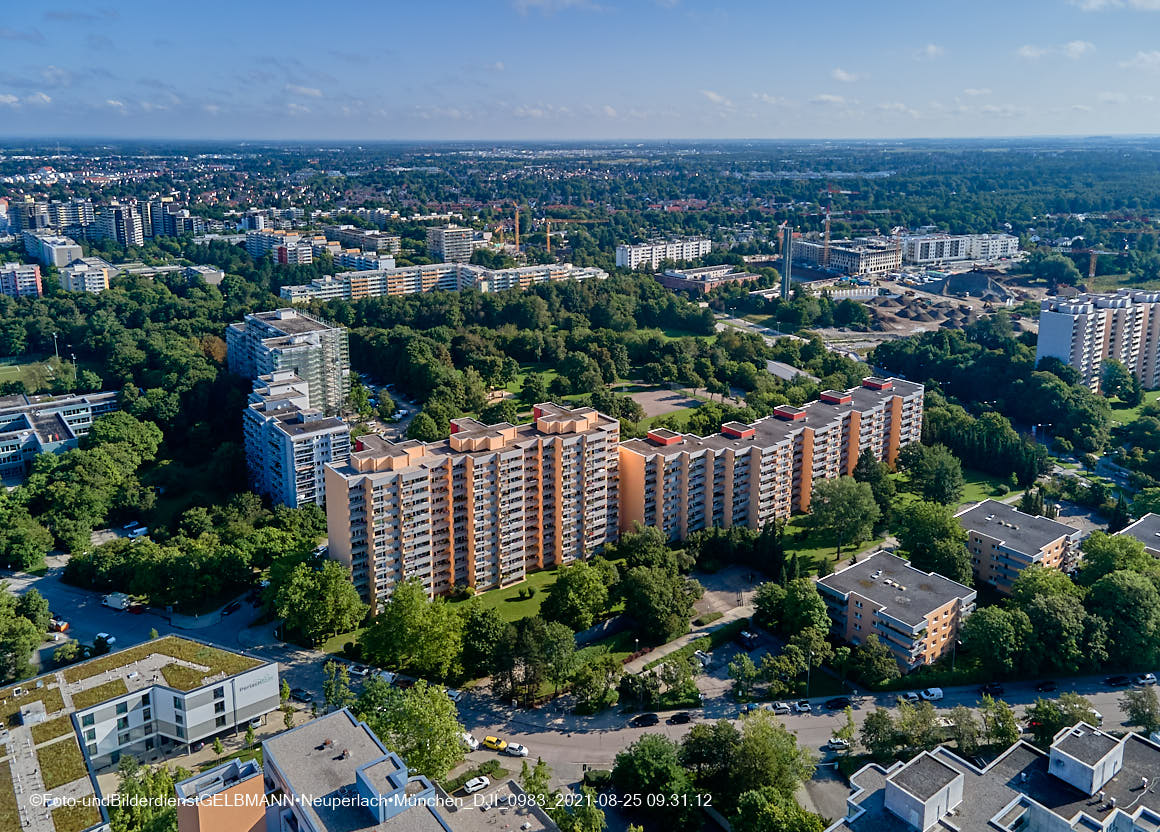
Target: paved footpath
column 638, row 664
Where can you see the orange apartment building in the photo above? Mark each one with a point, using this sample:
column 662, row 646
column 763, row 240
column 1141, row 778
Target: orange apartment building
column 916, row 614
column 1004, row 541
column 478, row 509
column 749, row 474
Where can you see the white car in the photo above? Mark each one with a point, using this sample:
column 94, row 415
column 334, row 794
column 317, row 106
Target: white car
column 931, row 694
column 476, row 784
column 514, row 749
column 837, row 744
column 910, row 698
column 387, row 676
column 360, row 670
column 781, row 707
column 704, row 658
column 1145, row 679
column 802, row 707
column 454, row 695
column 471, row 742
column 108, row 639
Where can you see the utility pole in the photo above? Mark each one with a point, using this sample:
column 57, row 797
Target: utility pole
column 55, row 348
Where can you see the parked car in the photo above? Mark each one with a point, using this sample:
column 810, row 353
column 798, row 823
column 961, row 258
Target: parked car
column 680, row 718
column 839, row 703
column 992, row 689
column 1046, row 686
column 1117, row 681
column 360, row 670
column 138, row 532
column 514, row 749
column 704, row 658
column 256, row 722
column 837, row 744
column 231, row 607
column 105, row 637
column 387, row 676
column 1097, row 717
column 747, row 639
column 931, row 694
column 1144, row 679
column 644, row 720
column 802, row 707
column 476, row 784
column 454, row 695
column 494, row 743
column 471, row 742
column 781, row 707
column 910, row 698
column 301, row 695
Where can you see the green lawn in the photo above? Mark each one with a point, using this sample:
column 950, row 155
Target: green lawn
column 61, row 763
column 36, row 373
column 1124, row 414
column 9, row 813
column 811, row 550
column 508, row 601
column 977, row 486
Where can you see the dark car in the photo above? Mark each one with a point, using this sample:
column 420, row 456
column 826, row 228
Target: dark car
column 1047, row 686
column 992, row 689
column 301, row 695
column 747, row 639
column 404, row 684
column 232, row 607
column 644, row 720
column 1117, row 681
column 680, row 718
column 137, row 609
column 839, row 703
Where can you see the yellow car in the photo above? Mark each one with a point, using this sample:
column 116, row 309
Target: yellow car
column 494, row 743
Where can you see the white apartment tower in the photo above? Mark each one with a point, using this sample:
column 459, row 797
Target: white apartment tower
column 655, row 252
column 1089, row 329
column 480, row 508
column 288, row 442
column 451, row 243
column 120, row 223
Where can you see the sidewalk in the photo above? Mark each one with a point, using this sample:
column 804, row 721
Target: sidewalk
column 637, row 664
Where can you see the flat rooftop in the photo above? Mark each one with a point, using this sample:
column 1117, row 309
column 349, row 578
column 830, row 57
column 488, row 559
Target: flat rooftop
column 218, row 779
column 924, row 776
column 290, row 321
column 1147, row 531
column 1086, row 743
column 1025, row 533
column 904, row 593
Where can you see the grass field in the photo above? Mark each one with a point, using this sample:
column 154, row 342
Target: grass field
column 36, row 372
column 508, row 601
column 1124, row 414
column 811, row 550
column 9, row 812
column 61, row 763
column 977, row 486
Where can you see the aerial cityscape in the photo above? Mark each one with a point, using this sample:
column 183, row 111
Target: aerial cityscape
column 639, row 418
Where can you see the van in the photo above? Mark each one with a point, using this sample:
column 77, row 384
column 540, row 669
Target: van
column 931, row 694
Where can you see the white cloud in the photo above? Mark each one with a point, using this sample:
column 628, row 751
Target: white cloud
column 609, row 110
column 38, row 98
column 717, row 98
column 975, row 92
column 929, row 52
column 309, row 92
column 827, row 98
column 839, row 74
column 9, row 100
column 1031, row 52
column 1143, row 60
column 1083, row 108
column 114, row 104
column 1078, row 48
column 496, row 67
column 898, row 107
column 1101, row 5
column 1113, row 98
column 212, row 109
column 766, row 98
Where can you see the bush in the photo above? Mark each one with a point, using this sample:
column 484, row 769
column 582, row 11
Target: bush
column 1001, row 489
column 707, row 618
column 598, row 778
column 488, row 768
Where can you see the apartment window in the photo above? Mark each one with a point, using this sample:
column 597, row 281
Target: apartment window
column 123, row 739
column 220, row 722
column 91, row 735
column 91, row 750
column 122, row 707
column 87, row 720
column 149, row 744
column 179, row 719
column 145, row 700
column 180, row 732
column 178, row 703
column 122, row 723
column 148, row 714
column 219, row 693
column 219, row 707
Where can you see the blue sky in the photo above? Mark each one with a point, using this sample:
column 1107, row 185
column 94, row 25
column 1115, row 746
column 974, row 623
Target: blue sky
column 579, row 69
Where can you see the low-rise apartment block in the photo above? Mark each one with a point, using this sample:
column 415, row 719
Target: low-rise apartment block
column 478, row 509
column 915, row 614
column 31, row 425
column 89, row 274
column 1088, row 329
column 211, row 275
column 655, row 252
column 1088, row 780
column 20, row 280
column 451, row 277
column 704, row 280
column 229, row 797
column 451, row 243
column 287, row 339
column 1147, row 531
column 865, row 255
column 749, row 474
column 930, row 249
column 1003, row 541
column 51, row 249
column 288, row 442
column 362, row 238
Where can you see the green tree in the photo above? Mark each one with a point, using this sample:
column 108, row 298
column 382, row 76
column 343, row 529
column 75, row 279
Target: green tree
column 595, row 681
column 917, row 725
column 1141, row 708
column 336, row 692
column 218, row 747
column 580, row 594
column 146, row 792
column 990, row 635
column 284, row 692
column 319, row 602
column 1130, row 607
column 965, row 729
column 933, row 472
column 766, row 810
column 34, row 606
column 67, row 653
column 249, row 736
column 424, row 428
column 710, row 751
column 422, row 725
column 879, row 734
column 767, row 602
column 803, row 608
column 1147, row 501
column 769, row 757
column 848, row 730
column 1037, row 580
column 999, row 724
column 1047, row 717
column 931, row 535
column 560, row 653
column 483, row 631
column 872, row 662
column 1104, row 554
column 533, row 390
column 843, row 510
column 18, row 638
column 877, row 475
column 744, row 675
column 359, row 400
column 415, row 635
column 660, row 601
column 652, row 765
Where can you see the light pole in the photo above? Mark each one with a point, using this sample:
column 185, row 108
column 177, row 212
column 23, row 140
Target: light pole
column 55, row 348
column 809, row 664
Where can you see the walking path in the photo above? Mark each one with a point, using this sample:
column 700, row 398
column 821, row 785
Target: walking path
column 637, row 664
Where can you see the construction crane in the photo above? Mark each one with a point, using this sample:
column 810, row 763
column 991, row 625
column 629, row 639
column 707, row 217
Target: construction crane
column 548, row 228
column 1093, row 256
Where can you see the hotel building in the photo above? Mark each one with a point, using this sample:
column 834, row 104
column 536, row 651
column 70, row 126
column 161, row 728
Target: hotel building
column 286, row 339
column 655, row 252
column 916, row 615
column 1003, row 541
column 748, row 474
column 478, row 509
column 1088, row 329
column 288, row 442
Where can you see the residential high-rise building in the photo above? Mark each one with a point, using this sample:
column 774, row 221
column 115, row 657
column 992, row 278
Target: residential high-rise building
column 52, row 250
column 89, row 274
column 286, row 339
column 655, row 252
column 451, row 243
column 29, row 215
column 120, row 223
column 364, row 239
column 75, row 213
column 478, row 509
column 286, row 248
column 866, row 255
column 749, row 474
column 1087, row 330
column 288, row 442
column 1003, row 541
column 450, row 277
column 20, row 280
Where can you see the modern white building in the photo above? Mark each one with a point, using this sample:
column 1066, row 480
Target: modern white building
column 655, row 252
column 286, row 339
column 52, row 250
column 936, row 248
column 89, row 274
column 865, row 255
column 451, row 243
column 20, row 280
column 288, row 442
column 31, row 425
column 1089, row 329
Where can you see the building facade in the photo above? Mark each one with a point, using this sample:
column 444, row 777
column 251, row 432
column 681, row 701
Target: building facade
column 20, row 280
column 704, row 280
column 1003, row 541
column 284, row 247
column 451, row 277
column 480, row 508
column 749, row 474
column 90, row 274
column 935, row 249
column 1089, row 329
column 31, row 425
column 451, row 243
column 655, row 252
column 287, row 442
column 286, row 339
column 866, row 255
column 52, row 250
column 364, row 239
column 228, row 798
column 916, row 615
column 121, row 224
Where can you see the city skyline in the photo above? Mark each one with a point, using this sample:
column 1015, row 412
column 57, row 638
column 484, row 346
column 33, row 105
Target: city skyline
column 581, row 69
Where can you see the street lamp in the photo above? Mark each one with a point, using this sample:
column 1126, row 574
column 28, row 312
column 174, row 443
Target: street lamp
column 809, row 664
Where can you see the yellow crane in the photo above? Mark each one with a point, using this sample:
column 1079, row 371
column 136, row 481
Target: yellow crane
column 548, row 228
